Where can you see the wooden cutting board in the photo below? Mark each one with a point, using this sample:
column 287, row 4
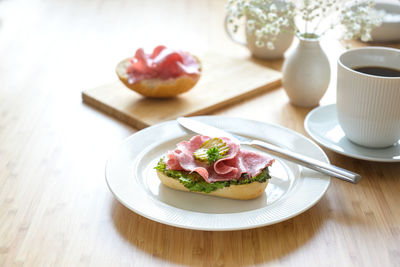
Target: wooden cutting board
column 225, row 80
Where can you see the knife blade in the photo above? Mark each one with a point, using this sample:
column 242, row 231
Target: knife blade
column 311, row 163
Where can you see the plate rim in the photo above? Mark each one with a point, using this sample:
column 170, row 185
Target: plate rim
column 324, row 144
column 155, row 218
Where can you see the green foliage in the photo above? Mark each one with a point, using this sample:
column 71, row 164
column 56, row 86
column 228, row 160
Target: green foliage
column 213, row 155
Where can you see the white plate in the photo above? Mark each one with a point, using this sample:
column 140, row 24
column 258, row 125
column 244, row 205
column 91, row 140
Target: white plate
column 323, row 126
column 292, row 189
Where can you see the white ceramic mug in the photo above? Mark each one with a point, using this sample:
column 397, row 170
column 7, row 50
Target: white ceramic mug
column 368, row 106
column 281, row 44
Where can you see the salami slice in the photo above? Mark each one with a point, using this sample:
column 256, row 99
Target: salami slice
column 162, row 63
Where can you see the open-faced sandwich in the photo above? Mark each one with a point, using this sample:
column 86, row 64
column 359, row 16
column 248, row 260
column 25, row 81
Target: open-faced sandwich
column 161, row 74
column 215, row 166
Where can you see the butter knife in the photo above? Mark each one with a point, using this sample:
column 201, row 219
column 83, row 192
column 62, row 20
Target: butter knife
column 319, row 166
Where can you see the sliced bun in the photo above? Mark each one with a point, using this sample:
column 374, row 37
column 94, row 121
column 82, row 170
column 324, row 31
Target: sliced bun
column 243, row 191
column 158, row 88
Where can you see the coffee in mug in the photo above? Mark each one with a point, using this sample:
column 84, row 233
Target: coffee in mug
column 379, row 71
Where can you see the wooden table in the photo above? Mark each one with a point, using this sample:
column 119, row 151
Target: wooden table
column 55, row 207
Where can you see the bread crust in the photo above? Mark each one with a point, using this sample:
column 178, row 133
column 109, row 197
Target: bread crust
column 158, row 88
column 243, row 191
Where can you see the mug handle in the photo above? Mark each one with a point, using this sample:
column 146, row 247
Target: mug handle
column 230, row 34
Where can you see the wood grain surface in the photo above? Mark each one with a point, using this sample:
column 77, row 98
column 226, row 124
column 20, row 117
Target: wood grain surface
column 225, row 79
column 55, row 207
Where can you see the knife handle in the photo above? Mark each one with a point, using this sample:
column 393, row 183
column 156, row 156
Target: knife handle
column 308, row 162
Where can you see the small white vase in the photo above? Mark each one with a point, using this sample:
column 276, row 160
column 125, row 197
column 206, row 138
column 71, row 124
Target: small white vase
column 306, row 73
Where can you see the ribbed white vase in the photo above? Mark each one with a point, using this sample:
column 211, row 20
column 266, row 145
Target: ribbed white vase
column 306, row 73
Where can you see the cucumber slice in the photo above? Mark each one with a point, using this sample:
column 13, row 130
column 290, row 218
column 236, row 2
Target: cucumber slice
column 201, row 153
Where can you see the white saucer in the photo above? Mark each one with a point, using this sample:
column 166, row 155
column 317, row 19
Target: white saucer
column 322, row 125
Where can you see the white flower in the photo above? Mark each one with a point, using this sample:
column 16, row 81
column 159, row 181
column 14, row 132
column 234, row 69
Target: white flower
column 273, row 8
column 262, row 17
column 259, row 43
column 366, row 37
column 356, row 27
column 272, row 16
column 270, row 45
column 259, row 34
column 251, row 24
